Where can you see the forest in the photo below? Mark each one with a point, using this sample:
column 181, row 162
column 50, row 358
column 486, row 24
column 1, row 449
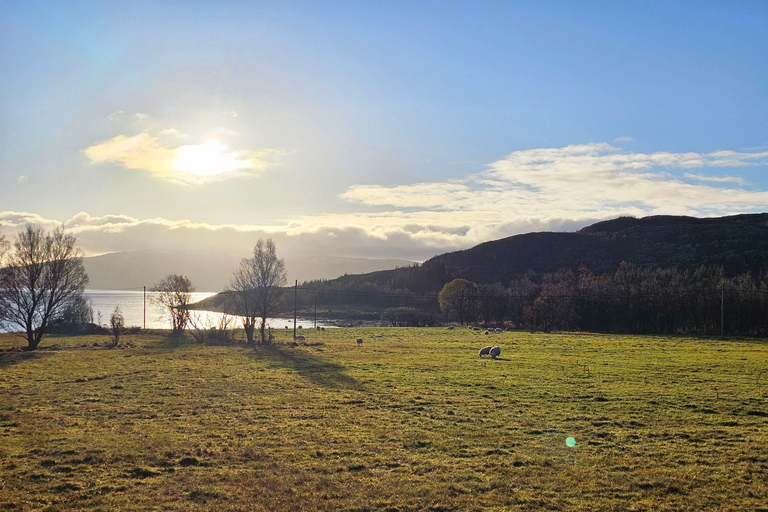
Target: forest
column 633, row 299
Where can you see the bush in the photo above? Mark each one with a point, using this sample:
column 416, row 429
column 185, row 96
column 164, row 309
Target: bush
column 407, row 317
column 212, row 332
column 117, row 325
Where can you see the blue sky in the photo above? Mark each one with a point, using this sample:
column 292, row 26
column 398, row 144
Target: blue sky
column 377, row 129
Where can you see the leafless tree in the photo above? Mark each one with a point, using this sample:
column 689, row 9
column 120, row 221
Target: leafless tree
column 174, row 294
column 257, row 287
column 43, row 276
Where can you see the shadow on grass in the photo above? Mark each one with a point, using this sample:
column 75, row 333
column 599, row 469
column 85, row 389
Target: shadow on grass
column 12, row 357
column 311, row 367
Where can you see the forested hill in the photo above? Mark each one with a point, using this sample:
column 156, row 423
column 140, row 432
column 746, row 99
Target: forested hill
column 738, row 243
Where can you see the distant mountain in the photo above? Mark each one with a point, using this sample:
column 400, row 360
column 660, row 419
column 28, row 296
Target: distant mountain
column 211, row 271
column 134, row 269
column 738, row 243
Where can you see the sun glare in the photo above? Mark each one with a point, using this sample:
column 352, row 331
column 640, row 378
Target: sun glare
column 207, row 159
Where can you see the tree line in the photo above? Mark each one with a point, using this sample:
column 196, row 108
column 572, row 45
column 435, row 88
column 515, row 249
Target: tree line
column 43, row 280
column 632, row 299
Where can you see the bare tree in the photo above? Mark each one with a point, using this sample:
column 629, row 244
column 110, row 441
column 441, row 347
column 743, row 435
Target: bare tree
column 257, row 285
column 43, row 277
column 174, row 294
column 243, row 285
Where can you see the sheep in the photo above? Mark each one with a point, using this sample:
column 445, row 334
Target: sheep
column 450, row 327
column 300, row 337
column 499, row 329
column 485, row 351
column 486, row 333
column 359, row 341
column 495, row 351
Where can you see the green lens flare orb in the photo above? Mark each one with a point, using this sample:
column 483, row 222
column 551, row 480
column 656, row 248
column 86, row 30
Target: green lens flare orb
column 570, row 442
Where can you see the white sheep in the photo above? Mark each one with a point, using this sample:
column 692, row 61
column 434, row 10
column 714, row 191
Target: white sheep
column 485, row 351
column 359, row 341
column 450, row 327
column 499, row 329
column 495, row 351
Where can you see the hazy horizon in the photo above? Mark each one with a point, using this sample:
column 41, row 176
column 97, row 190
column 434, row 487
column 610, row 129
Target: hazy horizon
column 374, row 130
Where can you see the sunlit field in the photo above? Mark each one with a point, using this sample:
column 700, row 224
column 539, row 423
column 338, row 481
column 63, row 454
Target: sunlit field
column 411, row 420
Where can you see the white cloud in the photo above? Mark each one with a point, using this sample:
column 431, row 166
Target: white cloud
column 714, row 179
column 579, row 181
column 172, row 132
column 141, row 151
column 12, row 222
column 23, row 178
column 547, row 189
column 114, row 116
column 189, row 164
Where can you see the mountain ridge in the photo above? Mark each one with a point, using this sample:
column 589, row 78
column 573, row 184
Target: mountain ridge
column 211, row 271
column 738, row 243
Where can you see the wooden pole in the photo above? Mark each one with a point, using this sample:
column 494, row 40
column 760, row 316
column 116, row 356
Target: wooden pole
column 315, row 311
column 295, row 293
column 145, row 308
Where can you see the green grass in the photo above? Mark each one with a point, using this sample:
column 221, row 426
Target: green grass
column 412, row 420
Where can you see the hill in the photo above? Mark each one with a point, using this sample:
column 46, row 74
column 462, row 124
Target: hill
column 738, row 243
column 210, row 271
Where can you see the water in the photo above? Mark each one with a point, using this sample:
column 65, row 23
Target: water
column 132, row 305
column 103, row 303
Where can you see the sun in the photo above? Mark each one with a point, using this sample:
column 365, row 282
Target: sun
column 208, row 159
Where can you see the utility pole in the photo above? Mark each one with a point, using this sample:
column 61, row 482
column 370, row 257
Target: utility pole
column 295, row 293
column 315, row 311
column 145, row 308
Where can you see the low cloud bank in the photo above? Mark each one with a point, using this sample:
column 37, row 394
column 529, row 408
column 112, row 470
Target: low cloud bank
column 547, row 189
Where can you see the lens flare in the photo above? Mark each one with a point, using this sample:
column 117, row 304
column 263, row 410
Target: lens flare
column 570, row 442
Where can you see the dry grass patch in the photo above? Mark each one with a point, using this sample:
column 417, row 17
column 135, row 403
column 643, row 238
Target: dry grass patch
column 410, row 420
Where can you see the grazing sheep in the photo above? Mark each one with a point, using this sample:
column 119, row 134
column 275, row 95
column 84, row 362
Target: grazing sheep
column 495, row 351
column 359, row 341
column 486, row 333
column 485, row 351
column 300, row 337
column 499, row 329
column 450, row 327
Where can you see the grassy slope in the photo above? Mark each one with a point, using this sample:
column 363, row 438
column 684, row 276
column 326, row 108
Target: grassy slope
column 413, row 420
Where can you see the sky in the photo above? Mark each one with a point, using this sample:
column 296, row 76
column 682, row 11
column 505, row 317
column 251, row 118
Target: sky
column 375, row 129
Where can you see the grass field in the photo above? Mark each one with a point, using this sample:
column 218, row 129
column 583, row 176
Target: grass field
column 411, row 420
